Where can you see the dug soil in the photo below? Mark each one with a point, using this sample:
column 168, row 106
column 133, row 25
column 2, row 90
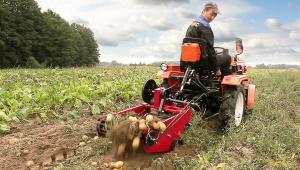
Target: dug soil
column 36, row 145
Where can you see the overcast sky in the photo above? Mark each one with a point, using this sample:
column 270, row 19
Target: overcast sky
column 133, row 31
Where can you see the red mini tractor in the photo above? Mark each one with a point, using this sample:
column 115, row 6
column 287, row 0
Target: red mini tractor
column 191, row 86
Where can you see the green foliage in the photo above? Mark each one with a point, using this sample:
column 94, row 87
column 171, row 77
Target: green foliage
column 4, row 117
column 67, row 93
column 30, row 38
column 269, row 137
column 4, row 128
column 95, row 109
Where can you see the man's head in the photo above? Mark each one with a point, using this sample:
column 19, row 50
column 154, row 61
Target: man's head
column 210, row 11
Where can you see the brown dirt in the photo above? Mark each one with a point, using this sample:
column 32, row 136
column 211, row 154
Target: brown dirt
column 297, row 109
column 54, row 142
column 43, row 143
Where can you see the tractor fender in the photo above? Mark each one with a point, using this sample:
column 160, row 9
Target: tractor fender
column 251, row 96
column 234, row 80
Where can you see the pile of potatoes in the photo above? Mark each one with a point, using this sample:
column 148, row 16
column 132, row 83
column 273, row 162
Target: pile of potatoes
column 115, row 165
column 126, row 135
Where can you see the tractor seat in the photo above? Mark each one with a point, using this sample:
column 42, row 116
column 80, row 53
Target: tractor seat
column 192, row 50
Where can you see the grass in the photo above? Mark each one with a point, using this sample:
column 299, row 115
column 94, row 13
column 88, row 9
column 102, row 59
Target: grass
column 270, row 136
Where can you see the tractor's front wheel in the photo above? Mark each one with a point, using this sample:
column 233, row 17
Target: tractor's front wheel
column 232, row 108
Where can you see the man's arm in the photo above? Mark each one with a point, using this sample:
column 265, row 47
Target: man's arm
column 194, row 30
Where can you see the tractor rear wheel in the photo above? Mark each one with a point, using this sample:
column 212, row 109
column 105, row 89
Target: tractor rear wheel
column 232, row 108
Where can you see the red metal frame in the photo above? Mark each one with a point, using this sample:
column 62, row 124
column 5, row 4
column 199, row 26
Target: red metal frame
column 180, row 116
column 175, row 124
column 234, row 79
column 251, row 96
column 172, row 71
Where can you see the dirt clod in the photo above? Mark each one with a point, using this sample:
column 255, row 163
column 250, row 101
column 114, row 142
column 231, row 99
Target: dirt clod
column 13, row 141
column 84, row 137
column 81, row 144
column 25, row 151
column 29, row 163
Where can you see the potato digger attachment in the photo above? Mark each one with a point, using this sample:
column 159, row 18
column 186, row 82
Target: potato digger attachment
column 185, row 88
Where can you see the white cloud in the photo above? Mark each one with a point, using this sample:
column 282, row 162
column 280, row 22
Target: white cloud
column 147, row 31
column 272, row 23
column 294, row 30
column 233, row 8
column 166, row 47
column 271, row 48
column 227, row 29
column 159, row 2
column 295, row 35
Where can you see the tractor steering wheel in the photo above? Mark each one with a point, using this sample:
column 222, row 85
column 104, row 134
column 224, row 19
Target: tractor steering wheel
column 220, row 50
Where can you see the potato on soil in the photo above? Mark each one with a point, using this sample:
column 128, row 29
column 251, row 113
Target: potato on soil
column 121, row 149
column 119, row 164
column 149, row 118
column 155, row 125
column 109, row 117
column 136, row 143
column 142, row 121
column 29, row 163
column 142, row 126
column 82, row 144
column 106, row 165
column 111, row 165
column 116, row 165
column 132, row 118
column 25, row 151
column 84, row 137
column 13, row 141
column 162, row 126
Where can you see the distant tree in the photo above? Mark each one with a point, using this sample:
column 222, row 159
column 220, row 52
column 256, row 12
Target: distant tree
column 261, row 66
column 87, row 47
column 18, row 19
column 59, row 47
column 43, row 39
column 114, row 62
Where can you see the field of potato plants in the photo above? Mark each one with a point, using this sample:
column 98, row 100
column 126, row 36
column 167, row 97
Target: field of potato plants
column 64, row 93
column 48, row 118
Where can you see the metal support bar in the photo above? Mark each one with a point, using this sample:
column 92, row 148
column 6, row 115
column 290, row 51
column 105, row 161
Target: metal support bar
column 162, row 101
column 186, row 75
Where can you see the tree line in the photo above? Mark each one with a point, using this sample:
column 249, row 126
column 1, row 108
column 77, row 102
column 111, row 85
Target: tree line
column 31, row 38
column 277, row 66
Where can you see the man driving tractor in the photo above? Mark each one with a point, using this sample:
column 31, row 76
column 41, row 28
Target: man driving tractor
column 191, row 86
column 201, row 29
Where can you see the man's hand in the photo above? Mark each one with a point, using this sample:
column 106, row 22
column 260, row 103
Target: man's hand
column 218, row 73
column 195, row 24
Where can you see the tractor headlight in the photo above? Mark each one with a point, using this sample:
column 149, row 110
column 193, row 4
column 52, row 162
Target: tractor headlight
column 164, row 66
